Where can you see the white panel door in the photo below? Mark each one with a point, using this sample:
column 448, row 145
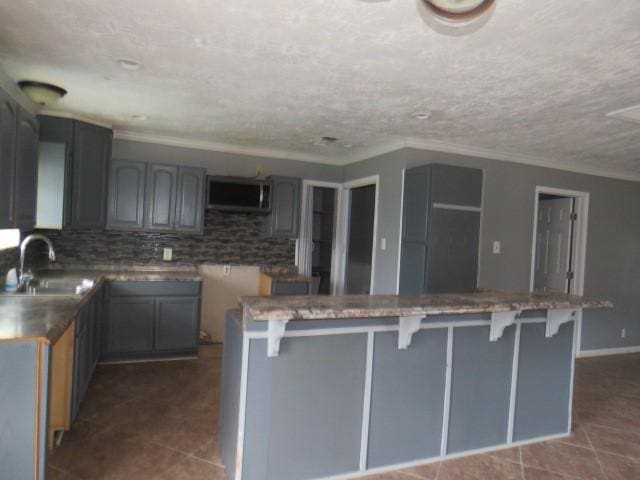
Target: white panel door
column 553, row 245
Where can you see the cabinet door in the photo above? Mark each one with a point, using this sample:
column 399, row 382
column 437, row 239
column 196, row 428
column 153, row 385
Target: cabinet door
column 79, row 360
column 190, row 202
column 126, row 194
column 8, row 112
column 26, row 170
column 452, row 263
column 91, row 153
column 284, row 219
column 413, row 259
column 129, row 326
column 177, row 323
column 289, row 288
column 160, row 197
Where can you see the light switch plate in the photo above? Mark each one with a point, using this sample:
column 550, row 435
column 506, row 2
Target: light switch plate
column 383, row 243
column 167, row 254
column 496, row 247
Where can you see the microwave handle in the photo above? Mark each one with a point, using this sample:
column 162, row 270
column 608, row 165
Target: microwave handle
column 261, row 195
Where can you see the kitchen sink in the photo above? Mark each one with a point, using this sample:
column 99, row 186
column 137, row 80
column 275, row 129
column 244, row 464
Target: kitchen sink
column 55, row 287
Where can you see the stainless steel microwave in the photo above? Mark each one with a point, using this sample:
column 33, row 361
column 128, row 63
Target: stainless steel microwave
column 239, row 194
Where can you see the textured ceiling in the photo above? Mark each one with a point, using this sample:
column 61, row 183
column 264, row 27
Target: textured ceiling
column 535, row 82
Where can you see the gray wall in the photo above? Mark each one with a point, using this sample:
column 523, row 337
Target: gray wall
column 220, row 163
column 613, row 243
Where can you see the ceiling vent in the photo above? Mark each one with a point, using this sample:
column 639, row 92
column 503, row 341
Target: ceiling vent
column 631, row 114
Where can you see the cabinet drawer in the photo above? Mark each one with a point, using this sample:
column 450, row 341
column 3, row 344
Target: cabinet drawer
column 290, row 288
column 129, row 289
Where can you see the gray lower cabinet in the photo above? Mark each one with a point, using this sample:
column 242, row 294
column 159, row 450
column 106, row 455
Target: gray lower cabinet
column 160, row 197
column 130, row 325
column 91, row 155
column 86, row 349
column 8, row 114
column 126, row 194
column 289, row 288
column 176, row 323
column 284, row 219
column 151, row 319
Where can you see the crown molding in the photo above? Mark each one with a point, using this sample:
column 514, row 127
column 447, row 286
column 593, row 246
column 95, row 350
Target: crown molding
column 75, row 116
column 224, row 147
column 516, row 158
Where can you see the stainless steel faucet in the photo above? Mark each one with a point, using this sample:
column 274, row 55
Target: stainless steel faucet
column 23, row 278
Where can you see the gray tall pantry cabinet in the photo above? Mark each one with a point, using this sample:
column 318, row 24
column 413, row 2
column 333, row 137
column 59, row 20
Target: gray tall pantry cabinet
column 440, row 229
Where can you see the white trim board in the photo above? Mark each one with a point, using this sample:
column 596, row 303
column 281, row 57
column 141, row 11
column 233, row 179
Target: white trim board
column 343, row 228
column 603, row 352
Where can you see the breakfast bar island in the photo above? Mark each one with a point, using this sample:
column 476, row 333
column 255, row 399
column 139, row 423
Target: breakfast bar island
column 321, row 387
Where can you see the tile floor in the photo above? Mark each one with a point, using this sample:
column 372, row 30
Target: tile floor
column 119, row 434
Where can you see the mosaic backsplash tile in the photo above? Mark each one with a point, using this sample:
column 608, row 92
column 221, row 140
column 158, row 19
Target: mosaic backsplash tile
column 233, row 238
column 8, row 260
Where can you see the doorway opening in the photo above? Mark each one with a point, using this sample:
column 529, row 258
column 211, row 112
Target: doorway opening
column 558, row 250
column 317, row 243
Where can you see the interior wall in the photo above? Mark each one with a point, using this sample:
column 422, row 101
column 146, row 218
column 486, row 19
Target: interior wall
column 220, row 293
column 613, row 239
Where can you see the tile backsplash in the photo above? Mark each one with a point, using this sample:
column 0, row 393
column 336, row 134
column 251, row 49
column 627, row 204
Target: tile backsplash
column 233, row 238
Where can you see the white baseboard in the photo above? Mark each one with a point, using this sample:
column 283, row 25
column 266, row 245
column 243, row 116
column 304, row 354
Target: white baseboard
column 601, row 352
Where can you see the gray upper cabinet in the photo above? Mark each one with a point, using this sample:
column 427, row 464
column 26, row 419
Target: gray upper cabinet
column 148, row 196
column 126, row 194
column 8, row 115
column 91, row 154
column 26, row 171
column 160, row 196
column 87, row 150
column 440, row 229
column 190, row 200
column 284, row 219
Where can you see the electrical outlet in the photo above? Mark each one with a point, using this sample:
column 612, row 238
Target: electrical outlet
column 383, row 243
column 623, row 333
column 167, row 254
column 496, row 247
column 226, row 270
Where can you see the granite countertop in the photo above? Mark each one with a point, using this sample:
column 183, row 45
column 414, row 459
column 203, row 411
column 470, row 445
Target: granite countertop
column 46, row 317
column 370, row 306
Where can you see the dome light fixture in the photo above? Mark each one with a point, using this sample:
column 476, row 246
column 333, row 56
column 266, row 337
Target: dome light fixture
column 42, row 93
column 456, row 17
column 459, row 10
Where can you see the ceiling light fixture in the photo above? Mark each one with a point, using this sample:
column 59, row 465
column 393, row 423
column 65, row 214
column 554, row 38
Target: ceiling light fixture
column 456, row 17
column 325, row 141
column 129, row 64
column 41, row 93
column 139, row 117
column 421, row 115
column 459, row 10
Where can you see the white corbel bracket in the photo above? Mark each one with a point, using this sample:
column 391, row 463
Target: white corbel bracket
column 500, row 321
column 408, row 326
column 275, row 332
column 555, row 318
